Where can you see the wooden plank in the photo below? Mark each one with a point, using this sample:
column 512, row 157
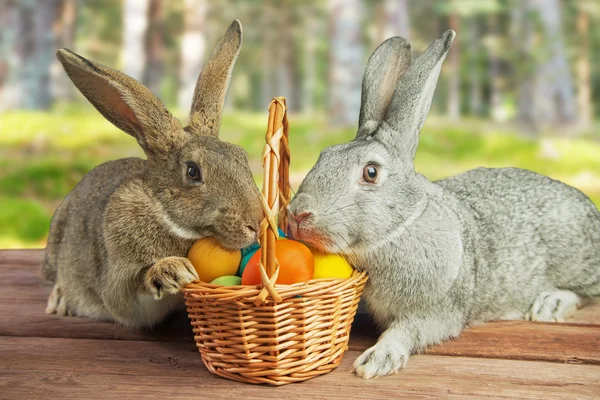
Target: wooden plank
column 69, row 369
column 23, row 298
column 518, row 340
column 589, row 314
column 515, row 340
column 23, row 301
column 20, row 257
column 29, row 319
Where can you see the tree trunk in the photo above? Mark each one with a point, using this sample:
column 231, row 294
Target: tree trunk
column 284, row 59
column 556, row 69
column 346, row 62
column 10, row 56
column 193, row 47
column 135, row 24
column 454, row 72
column 279, row 63
column 64, row 31
column 522, row 34
column 311, row 32
column 154, row 46
column 584, row 102
column 475, row 102
column 496, row 108
column 268, row 54
column 395, row 20
column 37, row 51
column 547, row 95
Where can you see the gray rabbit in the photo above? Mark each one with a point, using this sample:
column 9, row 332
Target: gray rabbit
column 487, row 244
column 117, row 243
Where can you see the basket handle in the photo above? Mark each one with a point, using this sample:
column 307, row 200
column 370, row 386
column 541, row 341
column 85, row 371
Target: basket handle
column 275, row 195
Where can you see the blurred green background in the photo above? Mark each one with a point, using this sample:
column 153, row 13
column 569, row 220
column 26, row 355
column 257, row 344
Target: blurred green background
column 520, row 86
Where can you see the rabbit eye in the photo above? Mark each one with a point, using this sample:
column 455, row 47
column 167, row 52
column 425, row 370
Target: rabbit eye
column 194, row 172
column 370, row 173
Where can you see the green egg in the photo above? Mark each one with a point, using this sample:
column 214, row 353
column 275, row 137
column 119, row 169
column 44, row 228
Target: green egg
column 228, row 280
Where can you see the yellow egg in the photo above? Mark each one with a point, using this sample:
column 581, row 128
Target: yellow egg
column 331, row 266
column 212, row 261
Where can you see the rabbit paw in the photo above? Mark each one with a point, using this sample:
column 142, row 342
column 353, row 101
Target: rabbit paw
column 385, row 358
column 553, row 306
column 169, row 275
column 57, row 303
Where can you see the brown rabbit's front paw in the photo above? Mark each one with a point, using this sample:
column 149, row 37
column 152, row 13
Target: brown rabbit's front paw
column 169, row 275
column 57, row 303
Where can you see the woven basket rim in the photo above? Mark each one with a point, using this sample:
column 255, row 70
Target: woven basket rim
column 229, row 293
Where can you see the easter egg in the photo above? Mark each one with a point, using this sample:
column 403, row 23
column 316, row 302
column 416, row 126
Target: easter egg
column 212, row 261
column 245, row 259
column 296, row 264
column 331, row 266
column 228, row 280
column 249, row 251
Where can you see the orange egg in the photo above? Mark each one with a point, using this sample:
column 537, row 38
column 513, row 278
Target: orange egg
column 296, row 262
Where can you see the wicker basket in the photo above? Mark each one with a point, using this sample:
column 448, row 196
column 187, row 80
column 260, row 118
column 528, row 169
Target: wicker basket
column 273, row 334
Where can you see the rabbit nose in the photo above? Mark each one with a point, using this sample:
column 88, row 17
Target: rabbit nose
column 253, row 227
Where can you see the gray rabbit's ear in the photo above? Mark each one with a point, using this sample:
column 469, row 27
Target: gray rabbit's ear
column 128, row 104
column 213, row 82
column 412, row 99
column 386, row 66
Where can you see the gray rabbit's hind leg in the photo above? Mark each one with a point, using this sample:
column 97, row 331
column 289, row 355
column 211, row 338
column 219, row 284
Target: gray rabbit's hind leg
column 514, row 315
column 554, row 306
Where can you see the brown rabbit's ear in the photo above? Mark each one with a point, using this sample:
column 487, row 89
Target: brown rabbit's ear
column 128, row 104
column 213, row 82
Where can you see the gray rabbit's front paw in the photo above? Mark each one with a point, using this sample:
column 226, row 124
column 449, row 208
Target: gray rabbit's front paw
column 169, row 275
column 387, row 357
column 554, row 306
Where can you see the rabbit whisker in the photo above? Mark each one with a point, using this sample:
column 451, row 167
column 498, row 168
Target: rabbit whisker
column 332, row 204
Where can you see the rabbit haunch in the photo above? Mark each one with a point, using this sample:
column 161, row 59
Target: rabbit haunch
column 486, row 244
column 118, row 242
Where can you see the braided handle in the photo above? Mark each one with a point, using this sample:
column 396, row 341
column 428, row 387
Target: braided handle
column 275, row 195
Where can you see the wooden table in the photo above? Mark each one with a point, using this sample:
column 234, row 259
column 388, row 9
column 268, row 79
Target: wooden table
column 43, row 357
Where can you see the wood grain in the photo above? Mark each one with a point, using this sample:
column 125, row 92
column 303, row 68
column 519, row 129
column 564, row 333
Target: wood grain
column 20, row 257
column 23, row 299
column 518, row 340
column 70, row 369
column 589, row 314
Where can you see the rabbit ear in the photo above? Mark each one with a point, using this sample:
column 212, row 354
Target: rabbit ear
column 412, row 99
column 125, row 102
column 213, row 82
column 386, row 66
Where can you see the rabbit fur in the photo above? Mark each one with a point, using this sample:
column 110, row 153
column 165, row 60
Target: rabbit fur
column 484, row 245
column 117, row 243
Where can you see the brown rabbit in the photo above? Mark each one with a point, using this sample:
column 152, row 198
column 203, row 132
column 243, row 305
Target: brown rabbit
column 117, row 243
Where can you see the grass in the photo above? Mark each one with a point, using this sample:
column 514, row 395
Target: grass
column 44, row 155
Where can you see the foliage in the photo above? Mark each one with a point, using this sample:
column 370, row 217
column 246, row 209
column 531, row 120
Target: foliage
column 44, row 155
